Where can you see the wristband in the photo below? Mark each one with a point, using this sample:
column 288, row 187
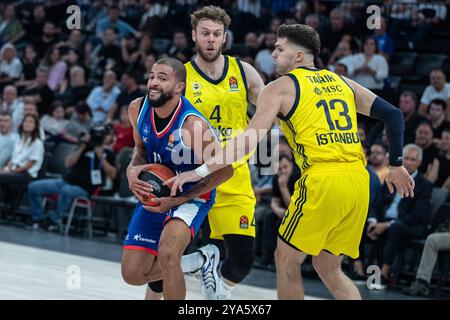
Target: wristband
column 203, row 170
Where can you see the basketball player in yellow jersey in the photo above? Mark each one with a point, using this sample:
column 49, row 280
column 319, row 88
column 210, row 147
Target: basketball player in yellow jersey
column 220, row 87
column 317, row 111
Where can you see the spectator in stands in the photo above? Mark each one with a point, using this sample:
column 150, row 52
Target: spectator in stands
column 75, row 41
column 342, row 54
column 34, row 28
column 439, row 171
column 108, row 55
column 408, row 105
column 38, row 91
column 400, row 219
column 437, row 89
column 436, row 115
column 75, row 90
column 179, row 48
column 48, row 38
column 30, row 63
column 150, row 59
column 31, row 108
column 400, row 17
column 10, row 27
column 129, row 49
column 428, row 17
column 246, row 18
column 7, row 138
column 377, row 160
column 12, row 105
column 10, row 65
column 113, row 21
column 153, row 18
column 72, row 58
column 437, row 241
column 57, row 68
column 333, row 34
column 55, row 122
column 123, row 131
column 313, row 21
column 369, row 68
column 130, row 91
column 264, row 61
column 102, row 98
column 341, row 69
column 384, row 41
column 283, row 185
column 424, row 139
column 79, row 124
column 90, row 166
column 26, row 160
column 251, row 44
column 362, row 134
column 145, row 49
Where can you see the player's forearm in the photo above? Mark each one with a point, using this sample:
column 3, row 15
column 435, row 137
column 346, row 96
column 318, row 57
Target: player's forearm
column 139, row 157
column 395, row 126
column 207, row 184
column 234, row 151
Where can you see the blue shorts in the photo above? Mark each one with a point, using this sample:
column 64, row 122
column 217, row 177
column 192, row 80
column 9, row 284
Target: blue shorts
column 146, row 227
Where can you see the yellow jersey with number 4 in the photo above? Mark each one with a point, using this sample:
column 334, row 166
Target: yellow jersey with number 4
column 321, row 126
column 224, row 103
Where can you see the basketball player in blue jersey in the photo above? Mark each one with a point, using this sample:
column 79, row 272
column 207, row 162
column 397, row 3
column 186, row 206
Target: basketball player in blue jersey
column 165, row 125
column 317, row 111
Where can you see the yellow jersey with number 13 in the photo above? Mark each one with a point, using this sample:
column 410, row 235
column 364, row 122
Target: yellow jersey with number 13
column 321, row 126
column 224, row 103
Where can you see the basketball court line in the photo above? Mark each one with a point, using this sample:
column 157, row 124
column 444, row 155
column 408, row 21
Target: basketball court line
column 33, row 273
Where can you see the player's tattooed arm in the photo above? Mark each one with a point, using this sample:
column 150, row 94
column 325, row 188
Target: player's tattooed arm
column 139, row 158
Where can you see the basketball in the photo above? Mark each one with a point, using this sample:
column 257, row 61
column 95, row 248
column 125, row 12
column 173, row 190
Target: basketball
column 156, row 175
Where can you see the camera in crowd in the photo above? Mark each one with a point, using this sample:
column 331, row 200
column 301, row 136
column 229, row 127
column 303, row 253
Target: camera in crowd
column 96, row 136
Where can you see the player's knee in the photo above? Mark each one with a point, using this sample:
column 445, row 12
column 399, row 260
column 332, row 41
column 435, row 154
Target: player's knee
column 238, row 265
column 281, row 258
column 325, row 269
column 133, row 275
column 236, row 268
column 168, row 257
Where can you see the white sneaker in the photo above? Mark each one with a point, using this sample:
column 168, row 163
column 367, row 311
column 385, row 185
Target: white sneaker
column 208, row 272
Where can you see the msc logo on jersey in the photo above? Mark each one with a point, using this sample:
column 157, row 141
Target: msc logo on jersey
column 317, row 91
column 146, row 129
column 243, row 222
column 233, row 83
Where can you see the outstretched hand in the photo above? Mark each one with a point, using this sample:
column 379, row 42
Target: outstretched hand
column 399, row 178
column 180, row 179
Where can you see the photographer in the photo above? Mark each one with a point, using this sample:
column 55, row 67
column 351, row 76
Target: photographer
column 91, row 166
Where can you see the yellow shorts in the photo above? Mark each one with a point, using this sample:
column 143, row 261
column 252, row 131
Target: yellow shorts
column 328, row 210
column 232, row 214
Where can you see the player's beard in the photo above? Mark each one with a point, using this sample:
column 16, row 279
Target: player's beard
column 208, row 58
column 163, row 98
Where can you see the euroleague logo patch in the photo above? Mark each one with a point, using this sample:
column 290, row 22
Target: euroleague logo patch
column 243, row 222
column 233, row 83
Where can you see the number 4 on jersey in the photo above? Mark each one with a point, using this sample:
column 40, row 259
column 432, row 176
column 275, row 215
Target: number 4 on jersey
column 215, row 115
